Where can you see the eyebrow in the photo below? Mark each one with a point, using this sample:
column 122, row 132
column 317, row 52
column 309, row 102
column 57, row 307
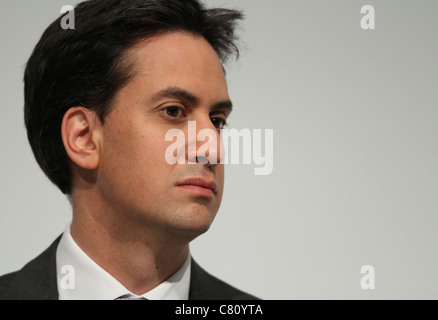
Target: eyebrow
column 175, row 92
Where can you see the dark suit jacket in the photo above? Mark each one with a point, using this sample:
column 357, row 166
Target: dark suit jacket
column 37, row 281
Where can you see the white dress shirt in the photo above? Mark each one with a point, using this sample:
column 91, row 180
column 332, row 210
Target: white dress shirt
column 80, row 278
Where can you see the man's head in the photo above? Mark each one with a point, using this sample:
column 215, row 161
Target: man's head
column 100, row 98
column 88, row 65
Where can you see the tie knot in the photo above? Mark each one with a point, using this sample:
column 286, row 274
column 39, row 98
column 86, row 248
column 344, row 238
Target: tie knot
column 130, row 296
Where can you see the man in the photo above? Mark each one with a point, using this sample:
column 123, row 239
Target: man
column 99, row 100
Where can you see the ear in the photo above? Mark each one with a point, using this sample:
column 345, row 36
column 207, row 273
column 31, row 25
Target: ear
column 79, row 130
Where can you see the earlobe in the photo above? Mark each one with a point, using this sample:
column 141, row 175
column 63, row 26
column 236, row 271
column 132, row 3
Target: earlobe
column 78, row 129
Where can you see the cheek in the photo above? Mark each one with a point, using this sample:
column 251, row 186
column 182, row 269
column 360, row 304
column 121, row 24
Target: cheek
column 153, row 160
column 147, row 157
column 132, row 153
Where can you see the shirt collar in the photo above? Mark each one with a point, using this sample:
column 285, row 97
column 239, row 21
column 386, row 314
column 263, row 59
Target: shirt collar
column 80, row 278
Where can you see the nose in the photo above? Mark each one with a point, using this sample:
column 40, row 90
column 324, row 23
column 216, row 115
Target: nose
column 204, row 144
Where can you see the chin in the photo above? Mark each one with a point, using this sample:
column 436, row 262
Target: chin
column 194, row 223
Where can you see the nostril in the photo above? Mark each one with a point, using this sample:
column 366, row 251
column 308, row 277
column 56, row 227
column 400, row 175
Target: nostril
column 202, row 160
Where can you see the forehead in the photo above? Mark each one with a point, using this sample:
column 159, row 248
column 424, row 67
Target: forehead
column 178, row 59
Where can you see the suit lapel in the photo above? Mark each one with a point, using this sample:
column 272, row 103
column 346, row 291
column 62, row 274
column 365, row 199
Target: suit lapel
column 204, row 286
column 37, row 281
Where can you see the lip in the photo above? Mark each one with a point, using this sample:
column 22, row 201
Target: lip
column 201, row 186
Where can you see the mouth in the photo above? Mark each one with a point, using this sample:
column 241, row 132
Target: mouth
column 199, row 186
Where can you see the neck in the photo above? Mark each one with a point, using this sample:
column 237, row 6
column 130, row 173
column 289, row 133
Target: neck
column 139, row 257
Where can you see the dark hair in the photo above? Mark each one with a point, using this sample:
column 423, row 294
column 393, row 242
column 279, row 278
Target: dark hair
column 85, row 66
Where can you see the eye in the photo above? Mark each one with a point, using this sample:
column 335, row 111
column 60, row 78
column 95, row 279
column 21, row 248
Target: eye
column 173, row 112
column 219, row 123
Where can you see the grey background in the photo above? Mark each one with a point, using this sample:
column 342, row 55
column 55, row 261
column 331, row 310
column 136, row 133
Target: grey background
column 355, row 177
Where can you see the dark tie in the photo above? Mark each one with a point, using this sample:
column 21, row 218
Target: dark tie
column 129, row 297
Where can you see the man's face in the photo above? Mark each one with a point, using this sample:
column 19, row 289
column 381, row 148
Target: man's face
column 177, row 78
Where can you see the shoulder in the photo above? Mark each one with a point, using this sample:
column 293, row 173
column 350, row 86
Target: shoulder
column 6, row 282
column 35, row 281
column 204, row 286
